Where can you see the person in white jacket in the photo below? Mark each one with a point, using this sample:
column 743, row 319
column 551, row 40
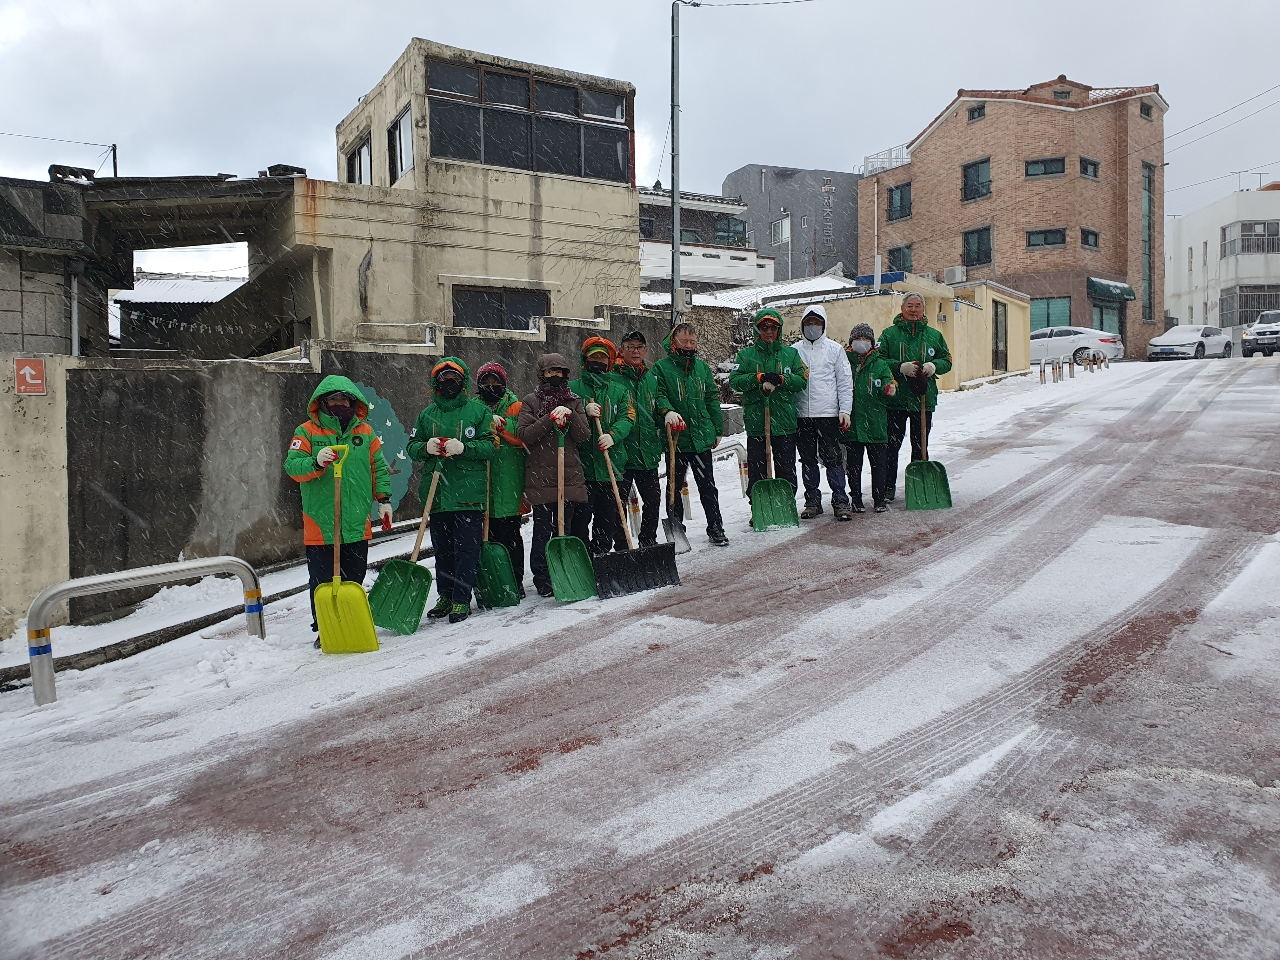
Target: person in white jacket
column 823, row 410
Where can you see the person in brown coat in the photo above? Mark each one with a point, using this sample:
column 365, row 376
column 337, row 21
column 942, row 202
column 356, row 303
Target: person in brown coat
column 549, row 410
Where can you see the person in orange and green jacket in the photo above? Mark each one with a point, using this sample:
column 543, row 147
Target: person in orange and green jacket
column 868, row 430
column 506, row 470
column 454, row 436
column 607, row 401
column 336, row 417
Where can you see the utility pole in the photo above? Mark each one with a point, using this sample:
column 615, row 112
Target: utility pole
column 677, row 295
column 1260, row 176
column 115, row 164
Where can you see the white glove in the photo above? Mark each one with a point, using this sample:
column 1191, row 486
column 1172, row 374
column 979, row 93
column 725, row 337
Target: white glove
column 434, row 446
column 929, row 369
column 593, row 409
column 605, row 441
column 910, row 369
column 561, row 416
column 891, row 388
column 326, row 456
column 499, row 422
column 674, row 420
column 767, row 387
column 384, row 510
column 453, row 448
column 845, row 421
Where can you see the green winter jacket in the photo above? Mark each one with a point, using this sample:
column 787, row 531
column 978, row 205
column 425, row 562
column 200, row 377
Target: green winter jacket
column 648, row 439
column 617, row 417
column 911, row 341
column 506, row 478
column 364, row 471
column 688, row 387
column 871, row 377
column 760, row 358
column 462, row 478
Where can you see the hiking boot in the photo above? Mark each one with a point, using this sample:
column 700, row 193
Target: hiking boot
column 858, row 507
column 459, row 612
column 544, row 589
column 882, row 508
column 716, row 536
column 810, row 511
column 522, row 591
column 892, row 494
column 442, row 609
column 844, row 512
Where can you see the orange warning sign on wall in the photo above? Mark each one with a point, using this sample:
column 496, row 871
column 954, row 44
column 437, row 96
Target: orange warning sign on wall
column 28, row 376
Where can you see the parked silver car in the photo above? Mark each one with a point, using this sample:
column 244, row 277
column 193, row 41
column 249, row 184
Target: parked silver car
column 1263, row 336
column 1189, row 341
column 1075, row 342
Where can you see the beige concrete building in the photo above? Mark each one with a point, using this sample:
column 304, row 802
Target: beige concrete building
column 1056, row 190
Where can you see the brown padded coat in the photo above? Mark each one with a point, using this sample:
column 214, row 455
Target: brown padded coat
column 538, row 434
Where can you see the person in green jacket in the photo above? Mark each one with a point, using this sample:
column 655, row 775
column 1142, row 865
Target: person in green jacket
column 918, row 355
column 645, row 443
column 506, row 471
column 769, row 374
column 607, row 401
column 687, row 402
column 454, row 435
column 336, row 416
column 873, row 385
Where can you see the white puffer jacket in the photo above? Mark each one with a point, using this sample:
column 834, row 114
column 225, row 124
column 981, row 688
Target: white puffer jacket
column 830, row 390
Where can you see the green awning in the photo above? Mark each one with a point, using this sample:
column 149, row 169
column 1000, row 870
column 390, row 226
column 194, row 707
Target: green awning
column 1110, row 290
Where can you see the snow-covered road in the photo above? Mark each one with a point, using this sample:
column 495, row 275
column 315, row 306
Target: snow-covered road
column 1041, row 724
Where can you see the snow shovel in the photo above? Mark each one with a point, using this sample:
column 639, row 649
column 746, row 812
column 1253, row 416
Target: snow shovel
column 342, row 608
column 773, row 502
column 399, row 595
column 568, row 561
column 927, row 484
column 673, row 529
column 636, row 570
column 495, row 580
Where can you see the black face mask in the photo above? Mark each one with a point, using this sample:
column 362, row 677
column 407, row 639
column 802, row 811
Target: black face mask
column 687, row 354
column 491, row 393
column 552, row 383
column 342, row 413
column 449, row 387
column 597, row 366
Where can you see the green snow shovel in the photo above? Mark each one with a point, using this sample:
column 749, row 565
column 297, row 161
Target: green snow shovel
column 495, row 580
column 927, row 484
column 399, row 595
column 568, row 561
column 636, row 570
column 773, row 502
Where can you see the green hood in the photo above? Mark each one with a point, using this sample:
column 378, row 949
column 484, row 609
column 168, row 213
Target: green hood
column 461, row 398
column 774, row 315
column 334, row 384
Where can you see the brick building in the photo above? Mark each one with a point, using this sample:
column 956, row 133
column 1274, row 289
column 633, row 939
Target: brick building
column 1056, row 190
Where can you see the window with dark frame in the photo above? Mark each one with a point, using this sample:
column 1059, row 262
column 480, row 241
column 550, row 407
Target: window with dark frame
column 1062, row 94
column 400, row 146
column 975, row 180
column 1089, row 238
column 900, row 258
column 899, row 205
column 360, row 163
column 1089, row 168
column 690, row 236
column 646, row 228
column 978, row 112
column 527, row 124
column 977, row 247
column 1050, row 312
column 1047, row 238
column 498, row 309
column 1147, row 112
column 1046, row 167
column 731, row 232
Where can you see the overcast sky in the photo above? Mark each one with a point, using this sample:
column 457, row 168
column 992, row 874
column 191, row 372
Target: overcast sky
column 232, row 86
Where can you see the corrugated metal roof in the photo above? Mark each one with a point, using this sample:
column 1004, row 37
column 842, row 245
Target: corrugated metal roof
column 740, row 298
column 176, row 288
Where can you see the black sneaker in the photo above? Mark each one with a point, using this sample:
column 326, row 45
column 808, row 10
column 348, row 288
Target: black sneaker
column 882, row 508
column 544, row 589
column 316, row 643
column 443, row 607
column 810, row 511
column 892, row 494
column 522, row 593
column 716, row 536
column 459, row 612
column 858, row 507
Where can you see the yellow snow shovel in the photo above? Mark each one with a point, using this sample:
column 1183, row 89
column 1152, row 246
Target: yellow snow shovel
column 342, row 607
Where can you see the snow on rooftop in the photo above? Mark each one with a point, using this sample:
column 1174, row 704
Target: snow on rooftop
column 179, row 288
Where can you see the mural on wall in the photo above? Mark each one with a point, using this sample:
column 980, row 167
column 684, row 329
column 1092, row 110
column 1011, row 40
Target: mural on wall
column 394, row 437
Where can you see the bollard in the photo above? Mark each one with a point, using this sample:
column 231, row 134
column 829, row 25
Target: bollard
column 1042, row 380
column 688, row 506
column 40, row 649
column 1071, row 362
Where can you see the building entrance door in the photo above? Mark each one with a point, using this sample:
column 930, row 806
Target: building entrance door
column 1107, row 316
column 999, row 336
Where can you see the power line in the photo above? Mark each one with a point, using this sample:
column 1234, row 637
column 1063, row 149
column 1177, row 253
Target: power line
column 83, row 143
column 1224, row 127
column 1188, row 186
column 1201, row 123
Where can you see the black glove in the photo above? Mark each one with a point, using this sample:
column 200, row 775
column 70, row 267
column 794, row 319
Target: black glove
column 774, row 378
column 919, row 385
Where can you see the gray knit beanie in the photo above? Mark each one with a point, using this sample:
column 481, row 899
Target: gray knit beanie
column 862, row 331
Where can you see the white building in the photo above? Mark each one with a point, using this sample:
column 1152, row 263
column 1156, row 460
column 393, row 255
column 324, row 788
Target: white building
column 1223, row 264
column 715, row 251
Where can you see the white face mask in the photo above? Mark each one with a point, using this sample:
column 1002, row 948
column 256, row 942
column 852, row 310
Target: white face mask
column 860, row 347
column 812, row 332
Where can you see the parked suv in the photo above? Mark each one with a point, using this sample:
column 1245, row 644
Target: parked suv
column 1075, row 342
column 1263, row 336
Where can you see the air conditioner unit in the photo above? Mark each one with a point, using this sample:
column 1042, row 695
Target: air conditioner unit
column 928, row 276
column 954, row 275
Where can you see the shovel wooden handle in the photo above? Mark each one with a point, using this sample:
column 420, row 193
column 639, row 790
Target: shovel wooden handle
column 426, row 517
column 924, row 433
column 613, row 482
column 768, row 443
column 671, row 468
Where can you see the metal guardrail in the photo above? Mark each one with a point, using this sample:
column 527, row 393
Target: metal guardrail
column 40, row 649
column 738, row 450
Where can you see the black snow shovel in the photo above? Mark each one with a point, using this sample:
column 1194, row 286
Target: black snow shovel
column 927, row 484
column 773, row 502
column 636, row 570
column 568, row 561
column 672, row 528
column 495, row 580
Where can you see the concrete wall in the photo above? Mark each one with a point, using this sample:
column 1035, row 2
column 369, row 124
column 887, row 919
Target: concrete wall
column 35, row 306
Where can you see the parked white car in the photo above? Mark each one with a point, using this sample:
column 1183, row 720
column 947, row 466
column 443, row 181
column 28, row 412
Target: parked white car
column 1075, row 342
column 1189, row 341
column 1263, row 336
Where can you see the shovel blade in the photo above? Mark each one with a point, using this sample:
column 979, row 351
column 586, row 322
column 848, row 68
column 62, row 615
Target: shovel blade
column 495, row 581
column 927, row 486
column 569, row 563
column 673, row 530
column 773, row 506
column 399, row 596
column 633, row 571
column 342, row 613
